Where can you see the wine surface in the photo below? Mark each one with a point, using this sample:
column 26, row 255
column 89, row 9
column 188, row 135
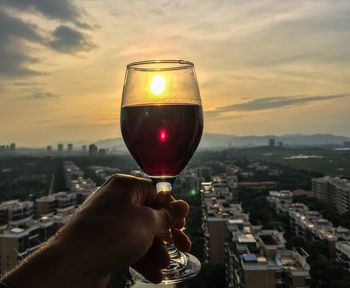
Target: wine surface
column 162, row 138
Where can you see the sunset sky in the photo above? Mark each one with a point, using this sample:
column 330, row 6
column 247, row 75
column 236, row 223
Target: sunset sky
column 264, row 67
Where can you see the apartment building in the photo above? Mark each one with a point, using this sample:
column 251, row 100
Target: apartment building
column 21, row 233
column 260, row 185
column 253, row 257
column 14, row 213
column 204, row 172
column 217, row 209
column 320, row 188
column 18, row 242
column 260, row 260
column 343, row 254
column 61, row 202
column 311, row 225
column 284, row 196
column 333, row 190
column 45, row 205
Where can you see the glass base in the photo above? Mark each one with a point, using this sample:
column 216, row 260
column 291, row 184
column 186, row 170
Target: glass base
column 181, row 268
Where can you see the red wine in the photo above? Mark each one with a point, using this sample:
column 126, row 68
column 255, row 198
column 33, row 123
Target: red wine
column 162, row 138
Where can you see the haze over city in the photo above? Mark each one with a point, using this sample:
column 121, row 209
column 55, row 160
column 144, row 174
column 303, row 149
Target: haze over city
column 272, row 67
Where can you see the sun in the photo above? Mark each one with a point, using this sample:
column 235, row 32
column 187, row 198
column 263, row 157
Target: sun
column 158, row 85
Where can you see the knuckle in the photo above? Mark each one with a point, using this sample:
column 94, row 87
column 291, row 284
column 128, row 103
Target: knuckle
column 119, row 180
column 114, row 179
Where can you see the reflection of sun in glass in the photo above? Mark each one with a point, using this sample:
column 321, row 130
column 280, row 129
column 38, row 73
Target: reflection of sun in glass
column 158, row 85
column 162, row 135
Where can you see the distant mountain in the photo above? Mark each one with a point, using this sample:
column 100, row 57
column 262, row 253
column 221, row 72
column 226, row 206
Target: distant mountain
column 217, row 140
column 316, row 139
column 221, row 141
column 112, row 143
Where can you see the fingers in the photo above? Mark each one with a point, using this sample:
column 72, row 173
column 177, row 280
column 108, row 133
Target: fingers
column 181, row 224
column 178, row 237
column 181, row 240
column 156, row 258
column 178, row 210
column 164, row 198
column 171, row 216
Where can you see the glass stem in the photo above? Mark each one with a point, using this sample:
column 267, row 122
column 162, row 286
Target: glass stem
column 166, row 185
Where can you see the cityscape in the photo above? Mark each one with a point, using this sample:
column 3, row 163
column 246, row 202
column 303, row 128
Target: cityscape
column 253, row 223
column 238, row 108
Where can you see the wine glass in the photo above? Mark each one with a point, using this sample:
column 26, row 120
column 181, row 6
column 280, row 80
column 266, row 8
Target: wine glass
column 162, row 124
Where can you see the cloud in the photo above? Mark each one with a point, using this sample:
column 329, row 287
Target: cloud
column 39, row 94
column 26, row 84
column 272, row 103
column 14, row 37
column 69, row 40
column 17, row 34
column 64, row 10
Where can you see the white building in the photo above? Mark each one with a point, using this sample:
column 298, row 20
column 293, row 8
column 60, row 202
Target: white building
column 333, row 190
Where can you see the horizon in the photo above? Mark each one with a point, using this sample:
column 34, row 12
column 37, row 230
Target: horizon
column 276, row 137
column 263, row 68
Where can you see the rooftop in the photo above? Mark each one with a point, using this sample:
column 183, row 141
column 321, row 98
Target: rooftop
column 246, row 238
column 16, row 204
column 268, row 240
column 344, row 247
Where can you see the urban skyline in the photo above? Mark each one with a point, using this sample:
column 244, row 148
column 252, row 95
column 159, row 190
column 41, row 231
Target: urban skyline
column 249, row 218
column 263, row 68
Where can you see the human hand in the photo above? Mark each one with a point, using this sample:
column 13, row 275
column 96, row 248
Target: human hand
column 121, row 224
column 128, row 222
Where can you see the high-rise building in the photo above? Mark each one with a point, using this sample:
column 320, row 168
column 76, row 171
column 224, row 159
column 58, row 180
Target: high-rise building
column 13, row 147
column 272, row 142
column 60, row 148
column 320, row 188
column 84, row 148
column 8, row 148
column 333, row 190
column 216, row 234
column 217, row 208
column 93, row 150
column 70, row 147
column 49, row 148
column 102, row 152
column 205, row 172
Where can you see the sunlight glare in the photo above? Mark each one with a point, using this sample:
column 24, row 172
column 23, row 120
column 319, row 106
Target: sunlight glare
column 158, row 85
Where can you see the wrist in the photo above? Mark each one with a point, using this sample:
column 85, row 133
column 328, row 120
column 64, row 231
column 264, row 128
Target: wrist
column 53, row 265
